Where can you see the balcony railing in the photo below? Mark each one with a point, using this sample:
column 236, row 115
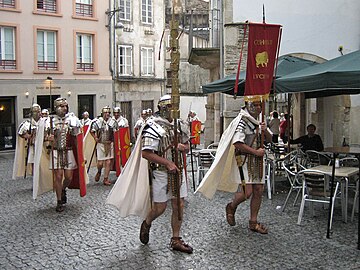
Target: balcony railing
column 7, row 3
column 45, row 65
column 84, row 10
column 89, row 67
column 48, row 6
column 7, row 64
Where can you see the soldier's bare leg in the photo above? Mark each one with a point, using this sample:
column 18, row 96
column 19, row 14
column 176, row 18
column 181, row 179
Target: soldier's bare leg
column 108, row 164
column 156, row 210
column 58, row 174
column 176, row 241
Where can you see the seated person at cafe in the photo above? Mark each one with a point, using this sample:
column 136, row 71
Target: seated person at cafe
column 311, row 141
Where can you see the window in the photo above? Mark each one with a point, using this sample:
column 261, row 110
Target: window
column 84, row 8
column 48, row 6
column 147, row 104
column 7, row 48
column 146, row 11
column 125, row 60
column 147, row 61
column 84, row 54
column 46, row 50
column 126, row 109
column 7, row 3
column 125, row 10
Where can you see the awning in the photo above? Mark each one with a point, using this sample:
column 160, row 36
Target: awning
column 339, row 76
column 286, row 64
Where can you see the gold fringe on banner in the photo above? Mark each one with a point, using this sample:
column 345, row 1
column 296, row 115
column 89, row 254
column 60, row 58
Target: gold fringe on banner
column 260, row 98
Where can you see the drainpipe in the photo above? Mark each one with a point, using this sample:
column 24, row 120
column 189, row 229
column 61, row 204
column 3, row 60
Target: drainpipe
column 221, row 45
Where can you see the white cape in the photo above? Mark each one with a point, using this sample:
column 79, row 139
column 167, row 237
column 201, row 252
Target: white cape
column 19, row 160
column 224, row 173
column 131, row 192
column 43, row 179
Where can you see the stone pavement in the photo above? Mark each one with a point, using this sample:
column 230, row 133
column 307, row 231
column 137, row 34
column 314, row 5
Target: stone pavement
column 91, row 235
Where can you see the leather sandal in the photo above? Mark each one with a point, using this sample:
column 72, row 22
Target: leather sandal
column 107, row 182
column 230, row 214
column 59, row 207
column 144, row 232
column 97, row 177
column 257, row 227
column 178, row 244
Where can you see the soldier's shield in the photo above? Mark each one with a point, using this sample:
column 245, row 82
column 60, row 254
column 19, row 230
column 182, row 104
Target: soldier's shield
column 79, row 181
column 125, row 144
column 195, row 132
column 117, row 150
column 85, row 128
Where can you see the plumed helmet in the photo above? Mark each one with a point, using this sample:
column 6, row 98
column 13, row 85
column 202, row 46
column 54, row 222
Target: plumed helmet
column 35, row 108
column 117, row 110
column 164, row 106
column 106, row 109
column 59, row 102
column 164, row 100
column 85, row 113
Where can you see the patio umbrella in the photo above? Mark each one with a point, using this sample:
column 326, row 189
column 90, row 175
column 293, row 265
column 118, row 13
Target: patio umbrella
column 339, row 76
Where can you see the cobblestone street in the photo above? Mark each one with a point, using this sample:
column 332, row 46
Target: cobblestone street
column 91, row 235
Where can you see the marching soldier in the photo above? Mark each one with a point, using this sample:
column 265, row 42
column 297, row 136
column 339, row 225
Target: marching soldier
column 63, row 125
column 153, row 159
column 140, row 122
column 102, row 129
column 237, row 165
column 65, row 156
column 25, row 143
column 122, row 121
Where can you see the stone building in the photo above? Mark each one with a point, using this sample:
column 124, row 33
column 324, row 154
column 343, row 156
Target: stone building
column 52, row 48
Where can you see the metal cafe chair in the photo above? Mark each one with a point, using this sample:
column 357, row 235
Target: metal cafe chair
column 291, row 167
column 315, row 158
column 315, row 189
column 205, row 160
column 349, row 162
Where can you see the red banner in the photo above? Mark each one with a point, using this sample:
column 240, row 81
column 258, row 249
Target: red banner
column 78, row 180
column 262, row 50
column 125, row 144
column 195, row 132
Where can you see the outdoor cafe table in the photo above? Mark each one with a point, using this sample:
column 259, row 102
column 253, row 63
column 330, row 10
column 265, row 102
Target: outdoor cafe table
column 342, row 172
column 336, row 151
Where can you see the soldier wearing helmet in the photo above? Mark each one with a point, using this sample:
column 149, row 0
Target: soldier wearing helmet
column 85, row 121
column 25, row 144
column 102, row 129
column 156, row 145
column 63, row 125
column 122, row 121
column 245, row 173
column 140, row 122
column 44, row 113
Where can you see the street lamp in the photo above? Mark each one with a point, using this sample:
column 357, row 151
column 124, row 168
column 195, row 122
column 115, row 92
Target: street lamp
column 49, row 79
column 112, row 37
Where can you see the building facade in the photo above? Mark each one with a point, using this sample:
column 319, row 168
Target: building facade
column 139, row 71
column 52, row 48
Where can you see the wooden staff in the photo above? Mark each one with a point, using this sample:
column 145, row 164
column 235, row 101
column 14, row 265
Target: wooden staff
column 175, row 100
column 52, row 152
